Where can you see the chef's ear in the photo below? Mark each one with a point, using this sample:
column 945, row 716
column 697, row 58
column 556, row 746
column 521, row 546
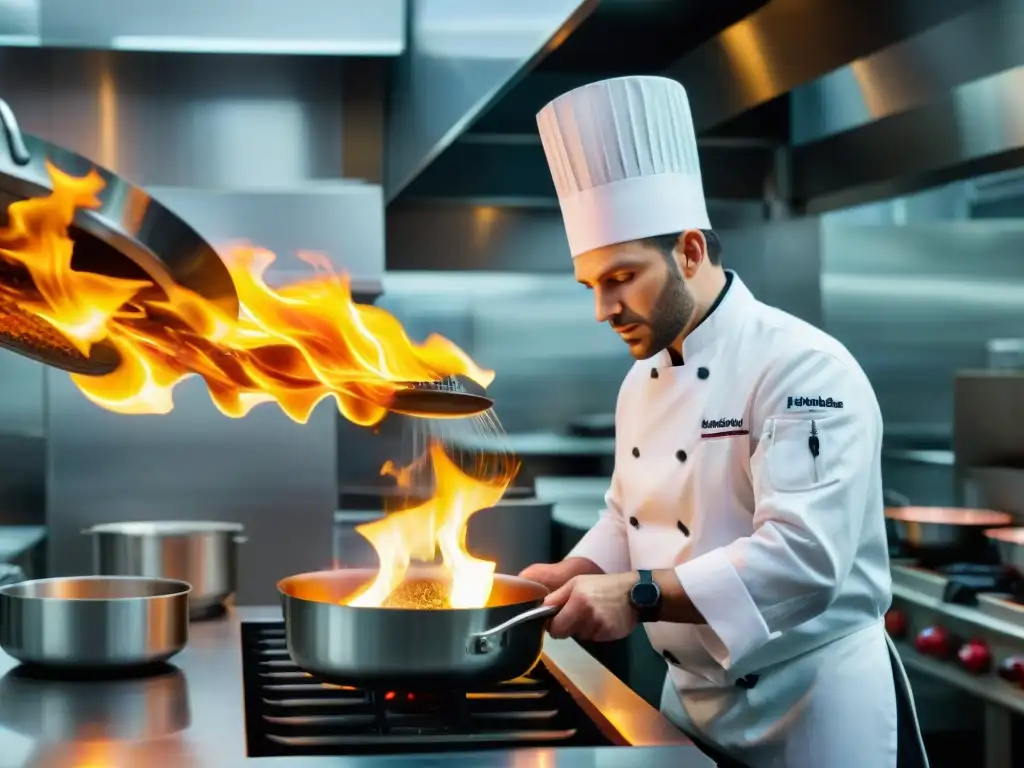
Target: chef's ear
column 691, row 251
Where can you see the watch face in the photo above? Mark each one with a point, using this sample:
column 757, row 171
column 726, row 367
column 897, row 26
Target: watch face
column 644, row 595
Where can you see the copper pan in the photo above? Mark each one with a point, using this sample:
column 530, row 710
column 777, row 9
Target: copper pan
column 1010, row 544
column 933, row 529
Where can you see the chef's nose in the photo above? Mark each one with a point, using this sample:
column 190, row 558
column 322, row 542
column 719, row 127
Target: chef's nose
column 606, row 305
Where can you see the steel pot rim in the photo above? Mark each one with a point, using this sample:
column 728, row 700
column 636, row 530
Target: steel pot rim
column 175, row 588
column 346, row 574
column 165, row 528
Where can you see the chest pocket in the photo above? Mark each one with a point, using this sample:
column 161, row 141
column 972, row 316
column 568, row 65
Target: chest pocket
column 796, row 457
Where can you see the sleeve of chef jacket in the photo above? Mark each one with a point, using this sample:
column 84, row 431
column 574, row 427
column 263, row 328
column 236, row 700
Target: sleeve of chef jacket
column 605, row 544
column 808, row 513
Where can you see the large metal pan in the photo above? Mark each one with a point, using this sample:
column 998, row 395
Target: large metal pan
column 935, row 530
column 94, row 623
column 412, row 648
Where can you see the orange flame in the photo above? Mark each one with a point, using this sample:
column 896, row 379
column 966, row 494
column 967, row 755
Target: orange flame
column 439, row 523
column 294, row 346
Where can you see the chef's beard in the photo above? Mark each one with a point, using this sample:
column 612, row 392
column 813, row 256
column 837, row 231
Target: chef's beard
column 672, row 311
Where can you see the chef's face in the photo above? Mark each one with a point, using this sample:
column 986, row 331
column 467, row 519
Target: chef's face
column 640, row 291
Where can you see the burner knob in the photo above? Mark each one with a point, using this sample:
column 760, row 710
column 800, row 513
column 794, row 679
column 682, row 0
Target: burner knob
column 934, row 642
column 896, row 623
column 975, row 656
column 1012, row 669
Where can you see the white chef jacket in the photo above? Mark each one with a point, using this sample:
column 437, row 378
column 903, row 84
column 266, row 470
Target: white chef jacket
column 782, row 552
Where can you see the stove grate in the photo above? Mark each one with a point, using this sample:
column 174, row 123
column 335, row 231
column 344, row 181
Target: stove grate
column 289, row 713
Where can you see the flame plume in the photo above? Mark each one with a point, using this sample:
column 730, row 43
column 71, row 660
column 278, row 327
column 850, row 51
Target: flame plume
column 293, row 346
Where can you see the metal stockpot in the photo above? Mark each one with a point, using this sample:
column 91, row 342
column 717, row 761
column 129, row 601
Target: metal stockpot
column 94, row 622
column 203, row 553
column 410, row 648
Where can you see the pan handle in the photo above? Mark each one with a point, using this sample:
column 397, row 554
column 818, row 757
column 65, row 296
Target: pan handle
column 15, row 143
column 489, row 640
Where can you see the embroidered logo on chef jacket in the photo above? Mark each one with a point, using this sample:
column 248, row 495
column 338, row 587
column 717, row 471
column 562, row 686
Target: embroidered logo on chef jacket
column 812, row 402
column 713, row 428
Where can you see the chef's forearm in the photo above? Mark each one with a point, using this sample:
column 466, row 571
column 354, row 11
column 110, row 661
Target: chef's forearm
column 581, row 566
column 676, row 606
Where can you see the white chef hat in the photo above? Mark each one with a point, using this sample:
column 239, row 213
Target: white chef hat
column 623, row 156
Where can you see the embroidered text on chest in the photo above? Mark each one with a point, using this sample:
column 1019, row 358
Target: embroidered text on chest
column 722, row 428
column 813, row 402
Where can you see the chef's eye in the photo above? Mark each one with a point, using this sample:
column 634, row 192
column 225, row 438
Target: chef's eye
column 620, row 278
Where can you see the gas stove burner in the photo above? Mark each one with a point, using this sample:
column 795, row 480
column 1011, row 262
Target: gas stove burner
column 965, row 581
column 288, row 712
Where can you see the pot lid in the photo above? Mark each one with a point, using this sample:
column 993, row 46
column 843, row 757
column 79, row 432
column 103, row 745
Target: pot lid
column 166, row 527
column 128, row 235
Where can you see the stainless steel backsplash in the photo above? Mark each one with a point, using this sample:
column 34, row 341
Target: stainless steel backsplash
column 916, row 303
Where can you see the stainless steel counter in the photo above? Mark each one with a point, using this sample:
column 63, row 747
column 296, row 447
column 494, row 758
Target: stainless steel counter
column 193, row 716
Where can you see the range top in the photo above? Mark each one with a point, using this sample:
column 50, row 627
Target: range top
column 290, row 713
column 962, row 582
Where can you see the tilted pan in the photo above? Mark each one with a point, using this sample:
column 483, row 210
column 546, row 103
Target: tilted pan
column 412, row 648
column 129, row 235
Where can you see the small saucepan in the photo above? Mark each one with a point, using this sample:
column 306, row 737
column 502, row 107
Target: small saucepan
column 945, row 530
column 1010, row 545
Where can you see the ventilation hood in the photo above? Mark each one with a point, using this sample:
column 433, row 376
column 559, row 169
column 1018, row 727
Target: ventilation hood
column 807, row 104
column 462, row 57
column 943, row 106
column 310, row 27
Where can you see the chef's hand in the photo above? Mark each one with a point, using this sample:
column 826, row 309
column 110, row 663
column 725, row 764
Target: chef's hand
column 594, row 608
column 555, row 575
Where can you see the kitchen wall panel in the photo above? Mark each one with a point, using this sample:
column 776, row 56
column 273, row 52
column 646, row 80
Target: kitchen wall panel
column 273, row 475
column 231, row 121
column 22, row 449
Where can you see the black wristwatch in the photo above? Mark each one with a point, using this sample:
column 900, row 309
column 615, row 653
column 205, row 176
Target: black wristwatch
column 645, row 596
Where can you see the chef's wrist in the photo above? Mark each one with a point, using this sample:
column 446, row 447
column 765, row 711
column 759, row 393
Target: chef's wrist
column 676, row 606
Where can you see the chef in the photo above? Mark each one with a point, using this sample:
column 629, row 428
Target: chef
column 743, row 524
